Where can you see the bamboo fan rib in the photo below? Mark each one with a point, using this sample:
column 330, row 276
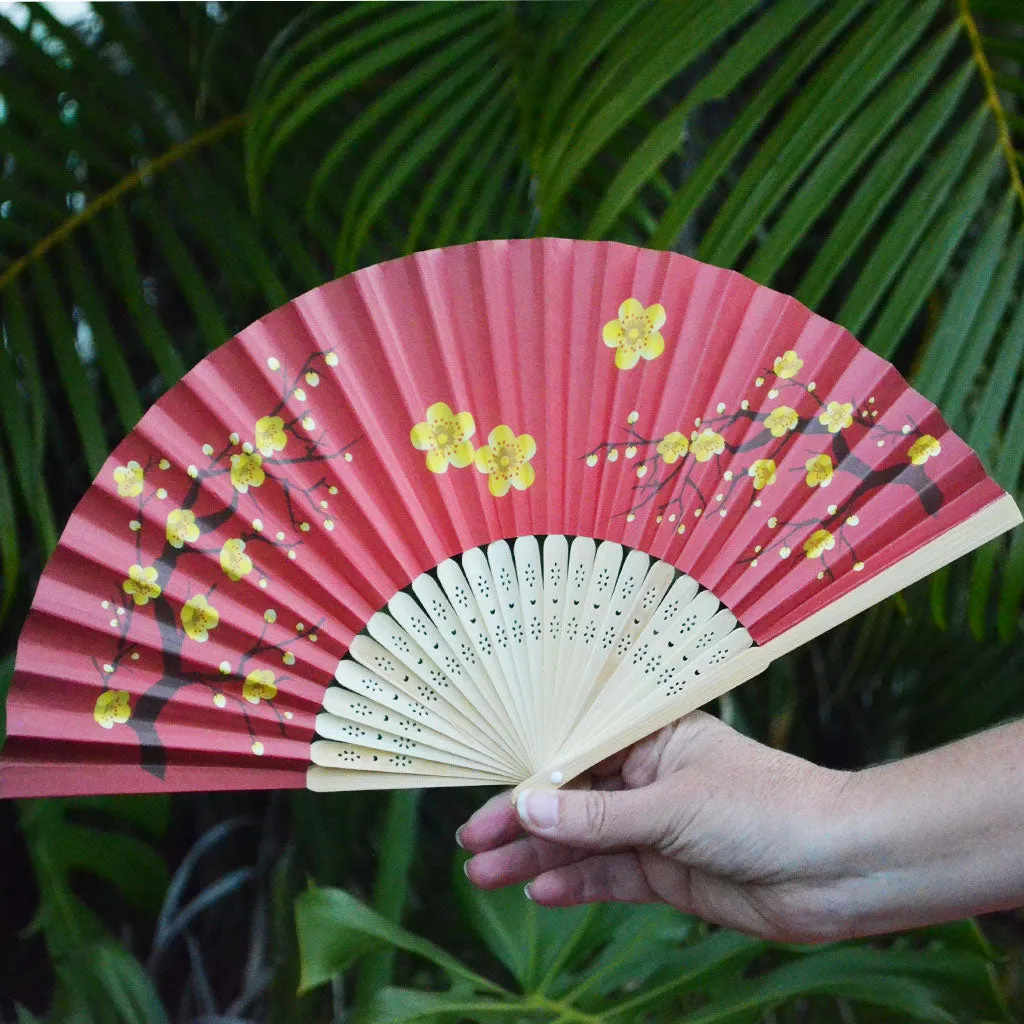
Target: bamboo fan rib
column 502, row 660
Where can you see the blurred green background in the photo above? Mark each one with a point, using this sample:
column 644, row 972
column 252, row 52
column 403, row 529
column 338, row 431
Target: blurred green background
column 170, row 172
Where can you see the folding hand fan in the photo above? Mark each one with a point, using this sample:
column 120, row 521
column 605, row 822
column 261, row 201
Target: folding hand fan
column 483, row 514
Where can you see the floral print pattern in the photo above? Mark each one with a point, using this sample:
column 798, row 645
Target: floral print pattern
column 673, row 446
column 781, row 420
column 837, row 416
column 259, row 685
column 142, row 584
column 763, row 473
column 706, row 445
column 247, row 471
column 444, row 436
column 819, row 471
column 233, row 559
column 788, row 365
column 198, row 617
column 113, row 707
column 636, row 334
column 818, row 543
column 506, row 460
column 129, row 479
column 923, row 449
column 270, row 435
column 182, row 528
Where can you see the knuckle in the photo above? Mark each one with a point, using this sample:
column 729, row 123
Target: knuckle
column 595, row 816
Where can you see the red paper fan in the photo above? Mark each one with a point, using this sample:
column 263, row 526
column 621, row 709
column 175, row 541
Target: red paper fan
column 315, row 561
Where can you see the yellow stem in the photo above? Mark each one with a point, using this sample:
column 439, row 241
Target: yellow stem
column 113, row 194
column 987, row 78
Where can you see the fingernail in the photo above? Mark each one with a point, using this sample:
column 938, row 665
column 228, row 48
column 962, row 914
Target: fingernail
column 526, row 893
column 465, row 868
column 538, row 809
column 458, row 838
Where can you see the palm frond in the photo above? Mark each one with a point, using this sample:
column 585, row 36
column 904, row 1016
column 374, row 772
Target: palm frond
column 169, row 179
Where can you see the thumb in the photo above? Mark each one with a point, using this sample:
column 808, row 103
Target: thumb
column 595, row 819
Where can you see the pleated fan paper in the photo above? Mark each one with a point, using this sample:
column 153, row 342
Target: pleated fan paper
column 483, row 514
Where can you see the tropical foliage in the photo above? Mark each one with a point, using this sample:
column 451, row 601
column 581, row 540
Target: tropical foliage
column 172, row 171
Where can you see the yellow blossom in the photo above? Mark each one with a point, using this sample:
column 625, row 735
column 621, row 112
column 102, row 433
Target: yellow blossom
column 923, row 449
column 763, row 472
column 673, row 447
column 818, row 543
column 129, row 480
column 198, row 617
column 112, row 706
column 779, row 420
column 636, row 333
column 819, row 471
column 181, row 527
column 141, row 584
column 270, row 435
column 247, row 471
column 506, row 460
column 259, row 685
column 787, row 365
column 444, row 436
column 706, row 445
column 837, row 416
column 233, row 559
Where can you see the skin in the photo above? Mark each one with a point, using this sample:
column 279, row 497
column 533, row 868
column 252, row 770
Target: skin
column 755, row 839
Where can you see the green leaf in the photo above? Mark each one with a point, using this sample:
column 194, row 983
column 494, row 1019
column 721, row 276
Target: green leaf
column 699, row 967
column 388, row 171
column 978, row 600
column 939, row 596
column 910, row 223
column 913, row 984
column 391, row 889
column 721, row 155
column 122, row 981
column 844, row 158
column 482, row 190
column 109, row 352
column 6, row 674
column 188, row 276
column 882, row 182
column 670, row 40
column 74, row 375
column 453, row 181
column 401, row 1005
column 118, row 251
column 335, row 930
column 931, row 259
column 945, row 347
column 10, row 555
column 1011, row 596
column 606, row 25
column 426, row 76
column 302, row 102
column 996, row 302
column 522, row 935
column 819, row 110
column 762, row 39
column 998, row 394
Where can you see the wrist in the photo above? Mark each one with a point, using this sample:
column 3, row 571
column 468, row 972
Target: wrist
column 923, row 840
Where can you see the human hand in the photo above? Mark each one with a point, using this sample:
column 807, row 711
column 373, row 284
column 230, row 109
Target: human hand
column 758, row 840
column 697, row 816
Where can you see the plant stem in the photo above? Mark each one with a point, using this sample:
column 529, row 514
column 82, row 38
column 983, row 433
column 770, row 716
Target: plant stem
column 116, row 192
column 992, row 96
column 390, row 891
